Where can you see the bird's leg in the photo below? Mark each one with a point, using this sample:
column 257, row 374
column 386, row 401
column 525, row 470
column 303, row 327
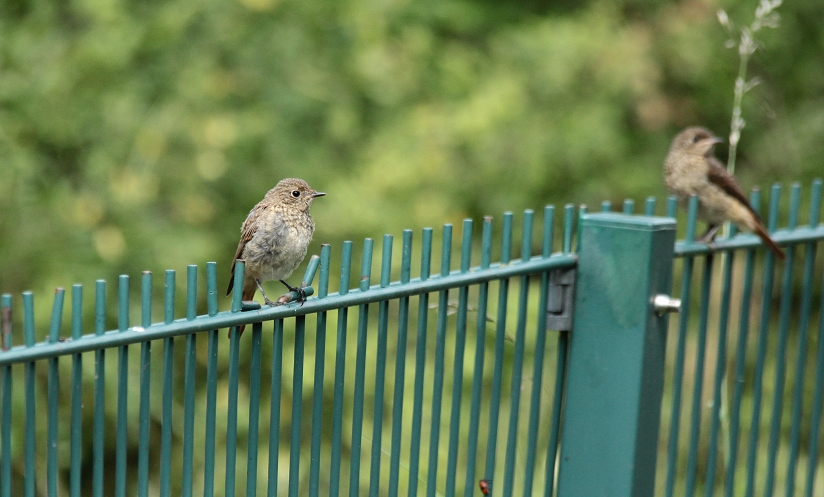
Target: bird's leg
column 265, row 298
column 301, row 293
column 709, row 235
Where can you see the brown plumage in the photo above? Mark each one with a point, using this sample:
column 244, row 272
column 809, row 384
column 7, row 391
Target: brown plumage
column 692, row 169
column 274, row 238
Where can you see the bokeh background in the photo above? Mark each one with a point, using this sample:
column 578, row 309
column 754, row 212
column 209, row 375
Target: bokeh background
column 137, row 136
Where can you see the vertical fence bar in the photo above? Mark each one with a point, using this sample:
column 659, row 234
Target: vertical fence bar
column 560, row 372
column 649, row 206
column 145, row 389
column 538, row 364
column 5, row 414
column 99, row 391
column 617, row 354
column 317, row 383
column 629, row 206
column 720, row 370
column 31, row 411
column 274, row 412
column 783, row 337
column 518, row 362
column 254, row 411
column 211, row 385
column 478, row 368
column 437, row 388
column 761, row 354
column 77, row 395
column 380, row 371
column 297, row 406
column 234, row 374
column 168, row 388
column 458, row 363
column 818, row 385
column 500, row 340
column 680, row 350
column 122, row 440
column 400, row 367
column 360, row 371
column 340, row 370
column 803, row 333
column 53, row 395
column 420, row 366
column 700, row 359
column 189, row 384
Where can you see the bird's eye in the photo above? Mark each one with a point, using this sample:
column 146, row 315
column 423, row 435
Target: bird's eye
column 695, row 138
column 295, row 193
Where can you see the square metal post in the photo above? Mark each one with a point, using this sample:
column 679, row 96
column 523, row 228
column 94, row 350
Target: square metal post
column 616, row 365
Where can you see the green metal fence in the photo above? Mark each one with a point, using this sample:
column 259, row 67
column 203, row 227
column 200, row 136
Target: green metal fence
column 439, row 381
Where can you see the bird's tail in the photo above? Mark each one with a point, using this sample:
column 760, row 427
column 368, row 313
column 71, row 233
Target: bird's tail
column 769, row 242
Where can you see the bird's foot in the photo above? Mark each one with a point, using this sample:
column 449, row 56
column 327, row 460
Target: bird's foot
column 301, row 294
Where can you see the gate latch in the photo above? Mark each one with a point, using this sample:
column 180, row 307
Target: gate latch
column 559, row 301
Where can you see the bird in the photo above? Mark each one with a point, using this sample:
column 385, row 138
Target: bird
column 274, row 238
column 692, row 169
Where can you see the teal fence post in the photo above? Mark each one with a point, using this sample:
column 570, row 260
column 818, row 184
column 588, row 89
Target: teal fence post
column 616, row 364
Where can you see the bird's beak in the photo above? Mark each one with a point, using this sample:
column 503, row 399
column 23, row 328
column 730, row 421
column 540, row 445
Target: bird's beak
column 318, row 194
column 714, row 140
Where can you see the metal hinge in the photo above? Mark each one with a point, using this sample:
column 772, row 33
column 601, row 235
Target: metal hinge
column 559, row 301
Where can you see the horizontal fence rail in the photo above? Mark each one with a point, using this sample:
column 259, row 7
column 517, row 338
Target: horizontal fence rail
column 434, row 385
column 428, row 378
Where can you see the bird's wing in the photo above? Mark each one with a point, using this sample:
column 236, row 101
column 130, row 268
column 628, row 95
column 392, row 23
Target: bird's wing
column 246, row 234
column 724, row 180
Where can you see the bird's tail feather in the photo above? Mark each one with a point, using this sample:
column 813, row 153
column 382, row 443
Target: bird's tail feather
column 769, row 242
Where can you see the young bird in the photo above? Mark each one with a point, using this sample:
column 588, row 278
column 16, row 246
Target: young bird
column 274, row 238
column 692, row 169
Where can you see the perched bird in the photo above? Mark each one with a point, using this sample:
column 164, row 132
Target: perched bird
column 274, row 237
column 692, row 169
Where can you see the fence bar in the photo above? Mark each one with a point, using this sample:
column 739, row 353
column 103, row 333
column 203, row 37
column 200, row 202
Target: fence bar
column 720, row 370
column 99, row 427
column 761, row 354
column 31, row 411
column 538, row 365
column 437, row 388
column 697, row 392
column 53, row 395
column 380, row 370
column 317, row 384
column 274, row 413
column 803, row 333
column 783, row 337
column 818, row 386
column 211, row 385
column 297, row 406
column 77, row 395
column 420, row 366
column 145, row 389
column 400, row 368
column 340, row 370
column 168, row 388
column 254, row 411
column 500, row 338
column 517, row 362
column 480, row 346
column 122, row 440
column 458, row 363
column 360, row 371
column 5, row 414
column 616, row 361
column 189, row 384
column 231, row 406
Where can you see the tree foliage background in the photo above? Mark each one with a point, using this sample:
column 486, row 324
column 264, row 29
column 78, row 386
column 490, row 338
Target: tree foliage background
column 138, row 135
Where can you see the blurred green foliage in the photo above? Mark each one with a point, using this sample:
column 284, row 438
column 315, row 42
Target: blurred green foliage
column 138, row 135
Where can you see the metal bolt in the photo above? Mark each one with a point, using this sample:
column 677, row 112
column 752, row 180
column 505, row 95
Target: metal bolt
column 663, row 304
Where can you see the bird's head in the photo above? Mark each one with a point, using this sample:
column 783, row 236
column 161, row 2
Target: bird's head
column 295, row 193
column 696, row 141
